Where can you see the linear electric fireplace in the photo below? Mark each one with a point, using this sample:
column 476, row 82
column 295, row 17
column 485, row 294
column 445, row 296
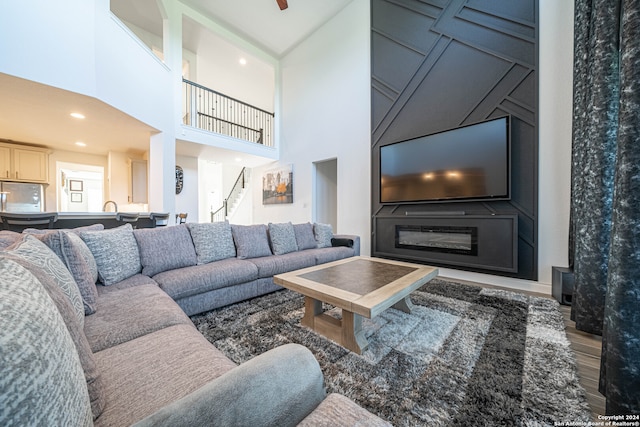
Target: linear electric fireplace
column 454, row 240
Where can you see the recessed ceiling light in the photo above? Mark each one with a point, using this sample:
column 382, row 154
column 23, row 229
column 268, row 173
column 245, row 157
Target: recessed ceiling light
column 238, row 159
column 243, row 61
column 81, row 144
column 77, row 115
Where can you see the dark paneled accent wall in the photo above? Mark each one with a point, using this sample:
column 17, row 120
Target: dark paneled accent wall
column 440, row 64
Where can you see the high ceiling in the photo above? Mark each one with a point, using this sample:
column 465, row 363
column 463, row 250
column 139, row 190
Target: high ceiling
column 39, row 114
column 260, row 22
column 265, row 25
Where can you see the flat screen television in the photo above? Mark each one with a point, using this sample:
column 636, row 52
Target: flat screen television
column 463, row 164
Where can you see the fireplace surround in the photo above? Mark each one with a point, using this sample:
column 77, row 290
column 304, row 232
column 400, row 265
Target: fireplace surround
column 487, row 243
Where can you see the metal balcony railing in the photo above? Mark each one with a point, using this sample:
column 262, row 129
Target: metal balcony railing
column 209, row 110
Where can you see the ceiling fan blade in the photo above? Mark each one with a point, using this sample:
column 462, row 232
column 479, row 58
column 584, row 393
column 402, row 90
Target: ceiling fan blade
column 283, row 4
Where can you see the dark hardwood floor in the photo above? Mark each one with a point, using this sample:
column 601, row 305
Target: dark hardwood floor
column 587, row 348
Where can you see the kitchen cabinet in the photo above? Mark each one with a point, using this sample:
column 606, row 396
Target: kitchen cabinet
column 25, row 164
column 5, row 162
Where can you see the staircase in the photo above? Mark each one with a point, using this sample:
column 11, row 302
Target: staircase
column 231, row 203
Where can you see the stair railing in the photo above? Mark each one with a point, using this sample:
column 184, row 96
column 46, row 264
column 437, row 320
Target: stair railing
column 222, row 213
column 207, row 109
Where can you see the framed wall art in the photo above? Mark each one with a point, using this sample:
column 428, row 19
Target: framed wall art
column 277, row 185
column 75, row 185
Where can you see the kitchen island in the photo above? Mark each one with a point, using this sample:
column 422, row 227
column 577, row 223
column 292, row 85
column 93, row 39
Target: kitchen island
column 79, row 219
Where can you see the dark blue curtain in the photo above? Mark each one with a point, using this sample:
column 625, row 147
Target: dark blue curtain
column 605, row 193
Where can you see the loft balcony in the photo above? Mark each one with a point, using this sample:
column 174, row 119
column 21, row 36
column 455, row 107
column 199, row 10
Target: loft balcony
column 213, row 111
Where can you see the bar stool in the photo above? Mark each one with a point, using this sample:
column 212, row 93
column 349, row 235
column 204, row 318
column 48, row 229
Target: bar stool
column 20, row 221
column 181, row 218
column 131, row 218
column 159, row 219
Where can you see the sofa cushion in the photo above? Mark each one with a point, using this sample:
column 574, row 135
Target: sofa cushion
column 129, row 313
column 66, row 310
column 209, row 300
column 130, row 282
column 280, row 386
column 42, row 379
column 75, row 260
column 8, row 238
column 164, row 248
column 202, row 278
column 337, row 409
column 323, row 234
column 304, row 236
column 283, row 238
column 251, row 240
column 324, row 255
column 34, row 251
column 75, row 240
column 277, row 264
column 179, row 355
column 213, row 241
column 115, row 251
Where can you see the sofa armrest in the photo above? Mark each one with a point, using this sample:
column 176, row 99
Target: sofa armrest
column 277, row 388
column 356, row 241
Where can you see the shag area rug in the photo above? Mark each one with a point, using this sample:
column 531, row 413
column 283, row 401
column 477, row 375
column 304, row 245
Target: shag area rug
column 466, row 356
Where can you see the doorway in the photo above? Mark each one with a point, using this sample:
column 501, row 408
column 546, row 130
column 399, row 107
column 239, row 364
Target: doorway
column 325, row 192
column 80, row 187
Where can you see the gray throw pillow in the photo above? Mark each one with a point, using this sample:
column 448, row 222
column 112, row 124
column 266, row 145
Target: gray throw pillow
column 213, row 241
column 94, row 379
column 81, row 246
column 116, row 253
column 52, row 238
column 60, row 243
column 75, row 259
column 323, row 234
column 164, row 248
column 283, row 238
column 304, row 236
column 37, row 253
column 38, row 346
column 251, row 240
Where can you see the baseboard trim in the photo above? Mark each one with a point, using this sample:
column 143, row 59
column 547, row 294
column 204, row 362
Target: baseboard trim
column 489, row 279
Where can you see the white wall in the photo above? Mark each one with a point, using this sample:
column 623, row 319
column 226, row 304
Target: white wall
column 49, row 42
column 218, row 68
column 187, row 200
column 325, row 114
column 555, row 122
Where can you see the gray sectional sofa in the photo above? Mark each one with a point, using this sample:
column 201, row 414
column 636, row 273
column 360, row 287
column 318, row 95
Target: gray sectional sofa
column 125, row 351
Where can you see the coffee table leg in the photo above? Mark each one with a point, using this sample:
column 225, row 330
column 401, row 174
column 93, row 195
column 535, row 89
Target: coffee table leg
column 312, row 308
column 404, row 304
column 353, row 336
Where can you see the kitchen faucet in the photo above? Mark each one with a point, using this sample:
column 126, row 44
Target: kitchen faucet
column 115, row 205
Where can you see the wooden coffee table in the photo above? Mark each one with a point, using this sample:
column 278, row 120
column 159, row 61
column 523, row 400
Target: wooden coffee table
column 360, row 286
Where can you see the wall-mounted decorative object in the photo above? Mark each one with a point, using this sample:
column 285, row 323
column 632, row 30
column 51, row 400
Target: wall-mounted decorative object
column 76, row 197
column 179, row 179
column 277, row 186
column 75, row 185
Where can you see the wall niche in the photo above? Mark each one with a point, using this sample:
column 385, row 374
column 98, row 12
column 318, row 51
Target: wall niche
column 438, row 65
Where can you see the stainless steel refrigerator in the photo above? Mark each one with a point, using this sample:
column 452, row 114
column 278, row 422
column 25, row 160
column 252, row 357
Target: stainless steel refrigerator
column 21, row 197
